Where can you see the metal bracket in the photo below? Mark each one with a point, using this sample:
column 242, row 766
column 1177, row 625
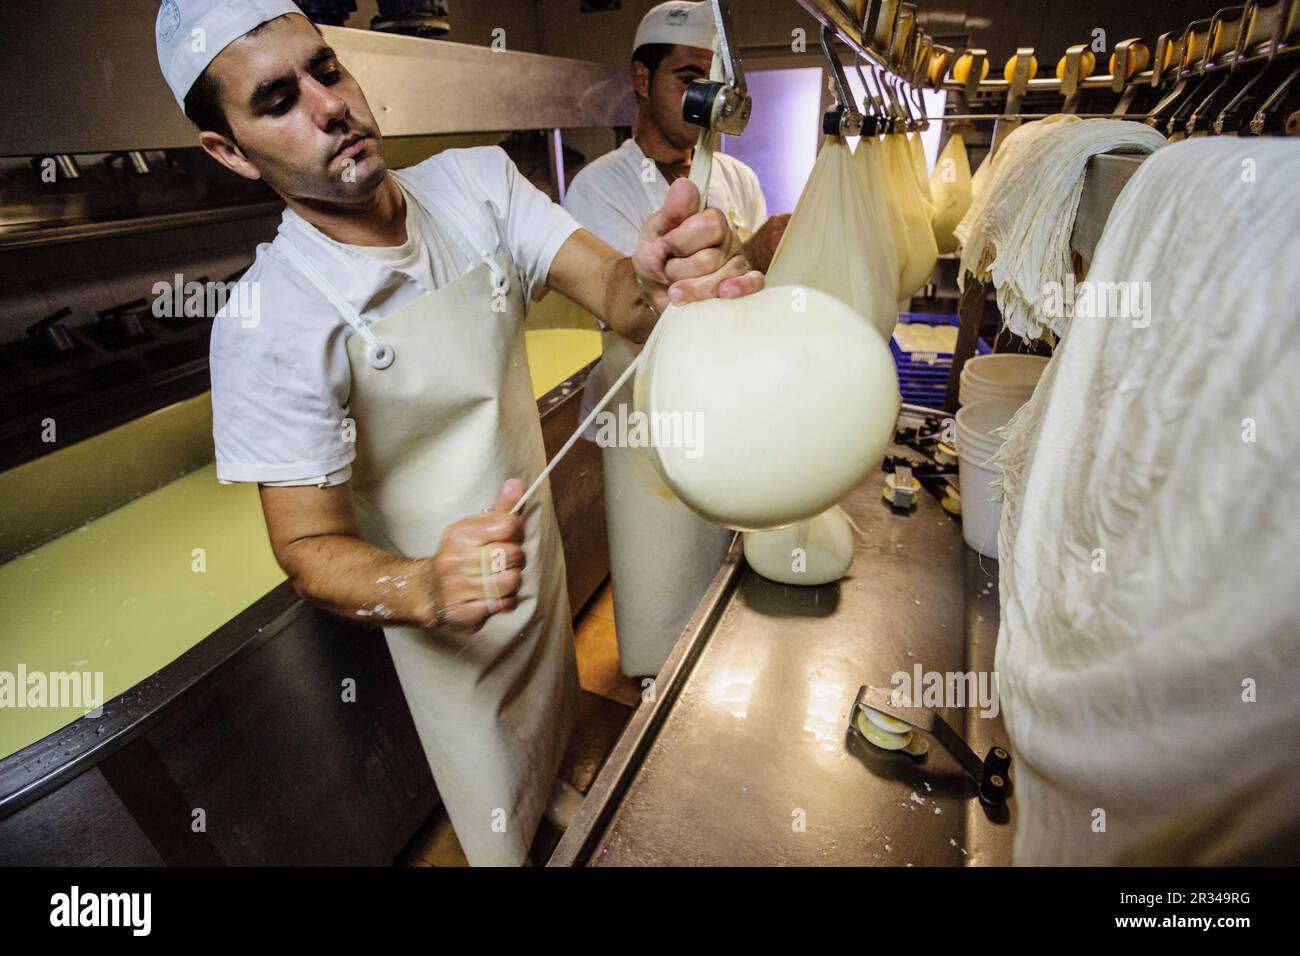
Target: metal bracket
column 1186, row 41
column 843, row 119
column 1010, row 119
column 977, row 61
column 1232, row 118
column 1070, row 76
column 1268, row 118
column 1123, row 53
column 722, row 107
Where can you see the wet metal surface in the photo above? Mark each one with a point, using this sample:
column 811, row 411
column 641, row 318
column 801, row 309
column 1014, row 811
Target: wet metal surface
column 745, row 758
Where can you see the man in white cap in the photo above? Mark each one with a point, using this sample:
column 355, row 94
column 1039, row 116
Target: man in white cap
column 380, row 393
column 662, row 555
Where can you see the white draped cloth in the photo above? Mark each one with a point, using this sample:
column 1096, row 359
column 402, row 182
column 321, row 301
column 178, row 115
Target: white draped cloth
column 1019, row 236
column 1149, row 651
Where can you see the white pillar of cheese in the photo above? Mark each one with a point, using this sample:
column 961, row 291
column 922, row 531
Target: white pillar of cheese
column 816, row 551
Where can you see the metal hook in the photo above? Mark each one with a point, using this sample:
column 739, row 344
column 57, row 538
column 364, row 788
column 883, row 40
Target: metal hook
column 720, row 106
column 889, row 110
column 1268, row 119
column 843, row 119
column 873, row 108
column 1233, row 117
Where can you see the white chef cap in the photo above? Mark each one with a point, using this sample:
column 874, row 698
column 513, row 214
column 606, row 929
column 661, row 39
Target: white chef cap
column 690, row 24
column 190, row 34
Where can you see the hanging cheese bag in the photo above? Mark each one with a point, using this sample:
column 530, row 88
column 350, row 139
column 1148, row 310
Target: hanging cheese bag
column 950, row 190
column 768, row 409
column 839, row 242
column 922, row 253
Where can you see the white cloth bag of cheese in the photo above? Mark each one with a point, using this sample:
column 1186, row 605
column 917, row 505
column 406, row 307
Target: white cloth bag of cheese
column 869, row 157
column 916, row 150
column 1149, row 651
column 838, row 240
column 950, row 192
column 903, row 189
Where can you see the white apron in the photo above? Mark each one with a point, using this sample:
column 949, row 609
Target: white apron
column 444, row 410
column 662, row 554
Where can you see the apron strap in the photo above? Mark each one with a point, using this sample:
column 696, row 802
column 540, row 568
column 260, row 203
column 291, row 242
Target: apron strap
column 481, row 249
column 378, row 353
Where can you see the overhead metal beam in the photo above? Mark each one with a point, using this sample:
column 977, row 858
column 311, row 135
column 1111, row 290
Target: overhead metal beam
column 82, row 78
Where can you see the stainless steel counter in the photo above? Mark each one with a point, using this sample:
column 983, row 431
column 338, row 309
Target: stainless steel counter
column 744, row 756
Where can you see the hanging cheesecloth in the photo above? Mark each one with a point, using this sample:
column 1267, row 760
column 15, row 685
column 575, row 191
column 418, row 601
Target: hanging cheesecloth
column 838, row 239
column 1019, row 143
column 950, row 192
column 904, row 192
column 1020, row 237
column 916, row 151
column 869, row 156
column 1149, row 534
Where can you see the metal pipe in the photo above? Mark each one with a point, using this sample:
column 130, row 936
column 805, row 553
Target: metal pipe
column 835, row 16
column 832, row 15
column 993, row 117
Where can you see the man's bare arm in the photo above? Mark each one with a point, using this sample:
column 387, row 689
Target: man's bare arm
column 761, row 246
column 603, row 282
column 316, row 538
column 681, row 256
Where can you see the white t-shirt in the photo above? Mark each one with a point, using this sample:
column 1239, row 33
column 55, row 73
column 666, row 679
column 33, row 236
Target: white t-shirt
column 614, row 195
column 280, row 373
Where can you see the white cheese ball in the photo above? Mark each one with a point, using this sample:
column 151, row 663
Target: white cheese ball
column 768, row 409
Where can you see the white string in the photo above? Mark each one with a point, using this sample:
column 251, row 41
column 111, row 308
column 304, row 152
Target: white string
column 701, row 173
column 591, row 417
column 379, row 354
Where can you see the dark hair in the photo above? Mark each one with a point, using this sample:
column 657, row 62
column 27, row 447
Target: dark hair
column 651, row 54
column 203, row 106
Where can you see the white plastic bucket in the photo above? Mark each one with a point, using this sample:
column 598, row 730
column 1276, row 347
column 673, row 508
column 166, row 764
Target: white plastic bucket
column 975, row 424
column 981, row 511
column 988, row 378
column 969, row 395
column 1005, row 370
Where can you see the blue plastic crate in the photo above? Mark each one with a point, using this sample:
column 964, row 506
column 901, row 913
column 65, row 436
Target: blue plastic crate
column 924, row 381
